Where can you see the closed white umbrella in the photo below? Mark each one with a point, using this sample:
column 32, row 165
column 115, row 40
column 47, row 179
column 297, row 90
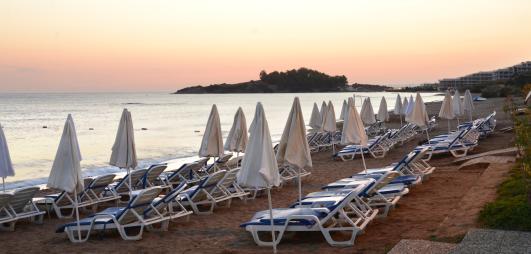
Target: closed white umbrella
column 419, row 116
column 324, row 109
column 468, row 104
column 259, row 167
column 237, row 138
column 66, row 169
column 404, row 106
column 457, row 105
column 343, row 110
column 353, row 130
column 124, row 151
column 398, row 108
column 293, row 148
column 315, row 119
column 410, row 106
column 329, row 123
column 6, row 167
column 447, row 112
column 212, row 143
column 367, row 115
column 383, row 114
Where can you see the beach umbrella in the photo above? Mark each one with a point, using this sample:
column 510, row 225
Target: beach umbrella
column 468, row 104
column 6, row 167
column 315, row 119
column 410, row 106
column 457, row 105
column 237, row 138
column 66, row 169
column 447, row 112
column 212, row 143
column 123, row 153
column 259, row 166
column 398, row 108
column 419, row 116
column 404, row 106
column 329, row 123
column 343, row 110
column 367, row 113
column 293, row 148
column 353, row 131
column 383, row 114
column 324, row 109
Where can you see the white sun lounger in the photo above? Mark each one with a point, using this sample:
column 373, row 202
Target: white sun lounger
column 119, row 218
column 20, row 206
column 348, row 214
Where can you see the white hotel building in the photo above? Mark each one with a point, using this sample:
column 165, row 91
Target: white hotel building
column 484, row 76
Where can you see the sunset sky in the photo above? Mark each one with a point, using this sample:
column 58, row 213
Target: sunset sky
column 99, row 45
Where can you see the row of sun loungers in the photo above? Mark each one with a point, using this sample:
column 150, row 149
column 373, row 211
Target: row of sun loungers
column 378, row 146
column 460, row 142
column 347, row 205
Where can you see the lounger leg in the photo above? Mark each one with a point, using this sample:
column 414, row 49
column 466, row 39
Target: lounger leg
column 8, row 226
column 458, row 154
column 262, row 243
column 123, row 234
column 328, row 236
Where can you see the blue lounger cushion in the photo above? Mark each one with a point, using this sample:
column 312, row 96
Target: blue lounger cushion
column 116, row 211
column 405, row 179
column 280, row 216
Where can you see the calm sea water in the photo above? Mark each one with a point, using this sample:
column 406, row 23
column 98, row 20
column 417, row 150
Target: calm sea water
column 175, row 124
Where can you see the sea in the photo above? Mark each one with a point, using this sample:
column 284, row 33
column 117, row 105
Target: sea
column 168, row 127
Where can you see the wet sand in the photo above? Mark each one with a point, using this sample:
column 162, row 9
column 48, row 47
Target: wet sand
column 417, row 216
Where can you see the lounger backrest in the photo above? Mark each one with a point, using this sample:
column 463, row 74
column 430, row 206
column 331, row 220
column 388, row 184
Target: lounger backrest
column 335, row 209
column 203, row 161
column 99, row 183
column 161, row 203
column 152, row 174
column 179, row 172
column 139, row 203
column 4, row 200
column 135, row 175
column 224, row 159
column 382, row 182
column 230, row 177
column 22, row 197
column 208, row 184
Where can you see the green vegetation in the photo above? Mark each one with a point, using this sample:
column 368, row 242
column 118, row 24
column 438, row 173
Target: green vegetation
column 512, row 208
column 514, row 86
column 296, row 80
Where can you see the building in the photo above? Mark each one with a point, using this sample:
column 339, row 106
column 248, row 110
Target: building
column 484, row 76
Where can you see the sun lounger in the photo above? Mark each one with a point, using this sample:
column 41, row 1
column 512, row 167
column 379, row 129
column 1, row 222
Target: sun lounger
column 121, row 187
column 150, row 177
column 230, row 187
column 457, row 145
column 92, row 195
column 20, row 206
column 219, row 164
column 205, row 193
column 382, row 194
column 187, row 173
column 347, row 214
column 410, row 165
column 376, row 148
column 119, row 218
column 167, row 207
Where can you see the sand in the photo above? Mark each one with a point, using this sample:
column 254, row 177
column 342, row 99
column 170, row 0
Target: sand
column 419, row 215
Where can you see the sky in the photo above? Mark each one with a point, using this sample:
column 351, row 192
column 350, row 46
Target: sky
column 164, row 45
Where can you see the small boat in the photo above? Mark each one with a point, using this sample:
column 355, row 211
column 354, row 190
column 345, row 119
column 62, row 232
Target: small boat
column 479, row 98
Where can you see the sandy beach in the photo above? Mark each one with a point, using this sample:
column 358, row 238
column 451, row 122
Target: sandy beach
column 419, row 215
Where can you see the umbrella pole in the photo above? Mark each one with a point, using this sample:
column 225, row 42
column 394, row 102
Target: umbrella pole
column 130, row 184
column 428, row 136
column 332, row 142
column 271, row 219
column 448, row 126
column 300, row 186
column 400, row 116
column 363, row 160
column 4, row 183
column 77, row 214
